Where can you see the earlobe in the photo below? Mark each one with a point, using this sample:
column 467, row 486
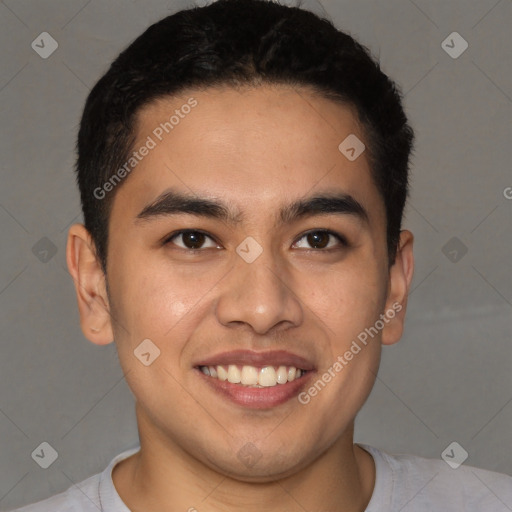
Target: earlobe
column 400, row 278
column 90, row 286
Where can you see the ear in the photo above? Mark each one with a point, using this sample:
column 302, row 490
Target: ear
column 400, row 277
column 90, row 286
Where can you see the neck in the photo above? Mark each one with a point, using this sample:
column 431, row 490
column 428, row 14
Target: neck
column 162, row 476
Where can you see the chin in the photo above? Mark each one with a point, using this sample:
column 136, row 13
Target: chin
column 252, row 465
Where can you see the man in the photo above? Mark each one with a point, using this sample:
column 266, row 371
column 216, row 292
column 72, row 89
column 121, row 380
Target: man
column 243, row 169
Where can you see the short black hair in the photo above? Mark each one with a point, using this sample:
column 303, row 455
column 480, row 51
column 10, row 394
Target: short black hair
column 236, row 43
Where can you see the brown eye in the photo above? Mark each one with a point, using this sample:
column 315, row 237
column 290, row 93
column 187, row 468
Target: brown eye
column 321, row 239
column 191, row 240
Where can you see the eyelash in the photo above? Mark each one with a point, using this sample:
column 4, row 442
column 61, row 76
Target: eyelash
column 339, row 237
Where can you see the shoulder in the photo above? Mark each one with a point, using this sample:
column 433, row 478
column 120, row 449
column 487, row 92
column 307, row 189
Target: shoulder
column 82, row 497
column 91, row 495
column 408, row 482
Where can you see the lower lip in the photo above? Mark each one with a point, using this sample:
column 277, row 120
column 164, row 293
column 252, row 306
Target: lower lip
column 257, row 398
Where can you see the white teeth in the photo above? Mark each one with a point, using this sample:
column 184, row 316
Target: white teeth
column 267, row 376
column 233, row 374
column 282, row 375
column 246, row 375
column 249, row 376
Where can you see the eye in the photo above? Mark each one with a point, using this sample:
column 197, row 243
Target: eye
column 191, row 240
column 194, row 240
column 320, row 239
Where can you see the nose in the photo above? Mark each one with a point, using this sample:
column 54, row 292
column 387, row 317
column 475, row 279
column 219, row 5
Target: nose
column 259, row 294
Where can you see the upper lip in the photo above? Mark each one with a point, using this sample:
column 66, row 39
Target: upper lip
column 252, row 358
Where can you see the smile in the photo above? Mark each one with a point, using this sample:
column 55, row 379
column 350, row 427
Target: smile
column 256, row 380
column 253, row 376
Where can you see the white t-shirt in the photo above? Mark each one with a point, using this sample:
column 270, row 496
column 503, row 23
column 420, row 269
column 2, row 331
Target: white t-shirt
column 403, row 483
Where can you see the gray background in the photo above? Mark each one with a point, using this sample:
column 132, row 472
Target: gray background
column 449, row 378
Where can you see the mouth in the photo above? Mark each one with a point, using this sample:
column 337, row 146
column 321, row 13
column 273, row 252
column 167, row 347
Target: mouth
column 256, row 380
column 253, row 376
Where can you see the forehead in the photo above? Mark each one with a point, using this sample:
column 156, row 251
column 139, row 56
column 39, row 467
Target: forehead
column 257, row 147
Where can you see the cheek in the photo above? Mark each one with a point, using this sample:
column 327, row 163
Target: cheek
column 153, row 300
column 348, row 305
column 162, row 307
column 347, row 298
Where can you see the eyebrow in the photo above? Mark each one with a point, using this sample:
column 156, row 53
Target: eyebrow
column 172, row 202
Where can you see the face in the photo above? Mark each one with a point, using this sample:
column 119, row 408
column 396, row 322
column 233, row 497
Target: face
column 223, row 254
